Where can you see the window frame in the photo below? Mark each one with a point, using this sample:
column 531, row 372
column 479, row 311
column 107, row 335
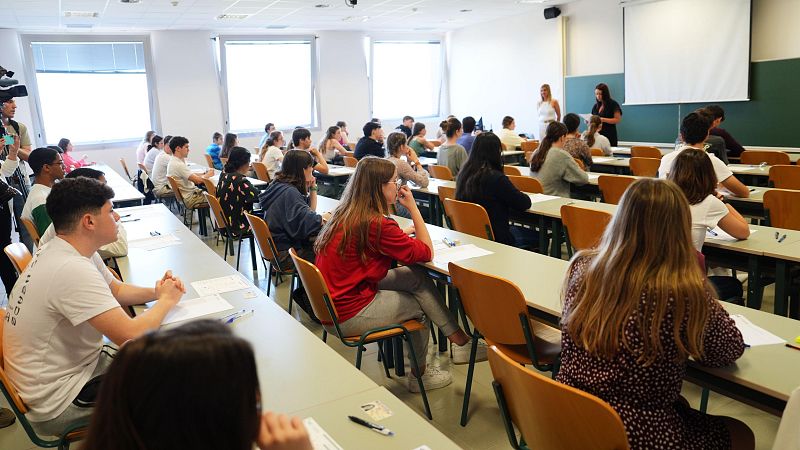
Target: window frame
column 223, row 78
column 33, row 88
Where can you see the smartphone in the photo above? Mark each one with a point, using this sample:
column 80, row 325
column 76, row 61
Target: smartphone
column 9, row 139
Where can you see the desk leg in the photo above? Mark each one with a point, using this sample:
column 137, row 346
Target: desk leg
column 399, row 364
column 444, row 291
column 755, row 290
column 781, row 284
column 542, row 235
column 555, row 245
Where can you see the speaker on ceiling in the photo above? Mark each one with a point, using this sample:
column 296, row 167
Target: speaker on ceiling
column 552, row 12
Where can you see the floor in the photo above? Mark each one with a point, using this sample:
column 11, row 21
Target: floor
column 485, row 429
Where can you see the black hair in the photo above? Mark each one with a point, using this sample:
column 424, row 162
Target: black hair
column 300, row 134
column 228, row 144
column 167, row 140
column 41, row 157
column 418, row 127
column 572, row 121
column 87, row 172
column 716, row 112
column 341, row 124
column 369, row 127
column 71, row 198
column 293, row 169
column 154, row 141
column 554, row 132
column 216, row 136
column 605, row 94
column 469, row 124
column 63, row 143
column 273, row 137
column 694, row 127
column 408, row 118
column 177, row 141
column 238, row 157
column 483, row 159
column 268, row 126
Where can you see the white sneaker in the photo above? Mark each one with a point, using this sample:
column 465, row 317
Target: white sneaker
column 461, row 352
column 433, row 378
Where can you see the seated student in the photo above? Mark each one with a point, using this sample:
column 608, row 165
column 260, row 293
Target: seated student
column 714, row 144
column 66, row 301
column 187, row 180
column 371, row 143
column 482, row 181
column 418, row 143
column 733, row 147
column 405, row 127
column 141, row 150
column 271, row 153
column 70, row 163
column 508, row 137
column 268, row 129
column 167, row 365
column 153, row 150
column 553, row 166
column 301, row 138
column 468, row 137
column 47, row 168
column 235, row 192
column 573, row 143
column 214, row 149
column 593, row 137
column 231, row 140
column 409, row 169
column 345, row 135
column 355, row 251
column 450, row 154
column 440, row 133
column 637, row 365
column 331, row 149
column 158, row 175
column 694, row 131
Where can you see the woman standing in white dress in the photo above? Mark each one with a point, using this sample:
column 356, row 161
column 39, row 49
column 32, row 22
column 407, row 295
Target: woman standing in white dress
column 549, row 110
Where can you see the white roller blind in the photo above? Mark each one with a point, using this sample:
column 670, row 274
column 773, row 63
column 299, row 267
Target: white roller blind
column 687, row 51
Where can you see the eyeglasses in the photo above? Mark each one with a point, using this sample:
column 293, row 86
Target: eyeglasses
column 398, row 182
column 57, row 163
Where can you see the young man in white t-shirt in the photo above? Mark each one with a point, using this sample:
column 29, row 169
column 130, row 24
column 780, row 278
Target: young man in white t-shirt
column 66, row 301
column 158, row 175
column 187, row 180
column 694, row 131
column 48, row 167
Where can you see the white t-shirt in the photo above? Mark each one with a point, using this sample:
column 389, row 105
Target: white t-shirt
column 150, row 158
column 705, row 216
column 159, row 173
column 177, row 168
column 720, row 169
column 141, row 152
column 272, row 159
column 49, row 346
column 600, row 142
column 510, row 139
column 37, row 198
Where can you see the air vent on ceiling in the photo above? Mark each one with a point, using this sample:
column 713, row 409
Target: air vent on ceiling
column 276, row 27
column 129, row 2
column 232, row 16
column 90, row 14
column 80, row 25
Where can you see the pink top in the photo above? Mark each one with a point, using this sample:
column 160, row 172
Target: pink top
column 71, row 163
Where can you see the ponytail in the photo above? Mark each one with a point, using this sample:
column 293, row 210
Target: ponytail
column 451, row 127
column 594, row 125
column 554, row 132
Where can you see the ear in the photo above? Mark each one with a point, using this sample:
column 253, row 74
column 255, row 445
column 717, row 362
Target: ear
column 88, row 222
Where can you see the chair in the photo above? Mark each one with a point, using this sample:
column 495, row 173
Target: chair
column 32, row 231
column 772, row 158
column 469, row 218
column 209, row 161
column 188, row 213
column 645, row 151
column 499, row 313
column 323, row 306
column 782, row 208
column 440, row 172
column 352, row 146
column 788, row 435
column 612, row 187
column 143, row 169
column 210, row 187
column 261, row 171
column 527, row 184
column 784, row 176
column 19, row 256
column 127, row 172
column 575, row 420
column 644, row 167
column 228, row 236
column 223, row 161
column 350, row 161
column 584, row 227
column 269, row 254
column 75, row 431
column 596, row 152
column 446, row 192
column 529, row 146
column 512, row 170
column 349, row 153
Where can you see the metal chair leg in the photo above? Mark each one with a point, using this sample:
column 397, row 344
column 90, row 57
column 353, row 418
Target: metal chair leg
column 358, row 357
column 415, row 368
column 383, row 360
column 238, row 253
column 704, row 400
column 470, row 372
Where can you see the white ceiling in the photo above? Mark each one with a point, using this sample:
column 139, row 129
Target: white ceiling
column 372, row 15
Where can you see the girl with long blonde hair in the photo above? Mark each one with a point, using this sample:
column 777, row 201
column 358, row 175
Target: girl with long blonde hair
column 635, row 309
column 548, row 109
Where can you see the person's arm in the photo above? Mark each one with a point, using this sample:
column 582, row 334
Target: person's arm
column 198, row 179
column 617, row 117
column 279, row 432
column 129, row 294
column 406, row 199
column 734, row 224
column 429, row 145
column 557, row 107
column 416, row 173
column 736, row 187
column 722, row 343
column 10, row 164
column 509, row 195
column 338, row 147
column 312, row 195
column 573, row 173
column 321, row 166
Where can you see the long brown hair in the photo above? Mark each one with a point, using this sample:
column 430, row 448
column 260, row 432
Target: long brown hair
column 693, row 172
column 634, row 277
column 293, row 169
column 554, row 132
column 395, row 142
column 362, row 204
column 594, row 126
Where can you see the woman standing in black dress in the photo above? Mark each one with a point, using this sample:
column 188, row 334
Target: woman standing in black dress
column 609, row 111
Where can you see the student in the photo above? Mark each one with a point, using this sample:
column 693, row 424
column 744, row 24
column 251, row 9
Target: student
column 141, row 150
column 158, row 175
column 272, row 155
column 450, row 154
column 268, row 129
column 507, row 136
column 331, row 149
column 155, row 148
column 301, row 138
column 47, row 168
column 609, row 111
column 468, row 137
column 231, row 140
column 553, row 166
column 731, row 144
column 418, row 143
column 187, row 180
column 573, row 144
column 214, row 149
column 345, row 135
column 355, row 251
column 440, row 134
column 235, row 192
column 70, row 163
column 714, row 145
column 548, row 110
column 637, row 366
column 8, row 167
column 405, row 127
column 593, row 137
column 172, row 365
column 482, row 181
column 371, row 143
column 409, row 169
column 66, row 301
column 694, row 131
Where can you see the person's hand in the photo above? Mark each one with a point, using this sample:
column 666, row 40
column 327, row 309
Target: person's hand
column 279, row 432
column 409, row 229
column 314, row 151
column 311, row 183
column 169, row 291
column 326, row 216
column 13, row 149
column 413, row 157
column 209, row 173
column 406, row 199
column 169, row 276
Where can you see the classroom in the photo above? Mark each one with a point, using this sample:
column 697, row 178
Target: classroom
column 221, row 220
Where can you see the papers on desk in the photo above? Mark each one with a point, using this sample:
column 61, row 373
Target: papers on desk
column 754, row 335
column 536, row 198
column 154, row 242
column 593, row 176
column 320, row 439
column 219, row 285
column 197, row 307
column 602, row 159
column 443, row 254
column 340, row 170
column 717, row 234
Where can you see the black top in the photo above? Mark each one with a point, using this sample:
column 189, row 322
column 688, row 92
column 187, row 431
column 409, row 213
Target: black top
column 499, row 196
column 609, row 130
column 368, row 146
column 404, row 129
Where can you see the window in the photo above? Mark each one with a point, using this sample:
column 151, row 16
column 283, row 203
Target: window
column 91, row 92
column 406, row 79
column 269, row 80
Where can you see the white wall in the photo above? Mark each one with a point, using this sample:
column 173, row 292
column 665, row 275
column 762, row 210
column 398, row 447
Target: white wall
column 775, row 31
column 12, row 60
column 594, row 37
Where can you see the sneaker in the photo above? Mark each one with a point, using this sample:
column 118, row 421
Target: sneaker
column 433, row 378
column 461, row 352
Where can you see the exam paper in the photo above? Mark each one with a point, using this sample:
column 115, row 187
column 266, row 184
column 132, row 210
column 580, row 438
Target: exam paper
column 593, row 176
column 602, row 159
column 754, row 335
column 340, row 170
column 320, row 439
column 219, row 285
column 717, row 234
column 586, row 117
column 196, row 307
column 154, row 242
column 442, row 256
column 536, row 198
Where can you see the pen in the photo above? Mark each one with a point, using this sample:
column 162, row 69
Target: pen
column 129, row 220
column 124, row 216
column 794, row 346
column 776, row 235
column 448, row 242
column 712, row 232
column 244, row 314
column 781, row 239
column 374, row 427
column 224, row 319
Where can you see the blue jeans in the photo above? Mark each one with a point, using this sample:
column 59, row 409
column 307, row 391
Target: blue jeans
column 526, row 238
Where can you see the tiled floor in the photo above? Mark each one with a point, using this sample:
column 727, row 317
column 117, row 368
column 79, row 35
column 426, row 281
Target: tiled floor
column 484, row 430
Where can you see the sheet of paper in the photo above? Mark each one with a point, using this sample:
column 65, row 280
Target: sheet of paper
column 586, row 117
column 320, row 439
column 593, row 176
column 754, row 335
column 340, row 171
column 377, row 410
column 139, row 212
column 197, row 307
column 219, row 285
column 154, row 242
column 458, row 253
column 602, row 159
column 717, row 234
column 536, row 198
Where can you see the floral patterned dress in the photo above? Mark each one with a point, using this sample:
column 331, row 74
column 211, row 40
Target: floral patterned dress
column 236, row 195
column 648, row 398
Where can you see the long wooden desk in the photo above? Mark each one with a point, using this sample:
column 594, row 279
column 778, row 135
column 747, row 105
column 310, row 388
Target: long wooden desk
column 124, row 192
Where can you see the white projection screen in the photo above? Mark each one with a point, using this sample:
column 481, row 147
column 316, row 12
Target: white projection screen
column 687, row 51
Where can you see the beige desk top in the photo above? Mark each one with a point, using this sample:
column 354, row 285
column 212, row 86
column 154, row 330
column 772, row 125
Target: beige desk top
column 337, row 171
column 611, row 161
column 254, row 181
column 748, row 169
column 123, row 189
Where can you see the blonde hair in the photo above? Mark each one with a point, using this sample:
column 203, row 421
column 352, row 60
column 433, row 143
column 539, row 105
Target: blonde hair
column 633, row 277
column 549, row 98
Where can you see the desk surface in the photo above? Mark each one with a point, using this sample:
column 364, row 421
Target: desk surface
column 336, row 171
column 749, row 169
column 123, row 189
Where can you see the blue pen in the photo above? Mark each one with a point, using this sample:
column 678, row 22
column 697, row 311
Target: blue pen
column 244, row 314
column 781, row 239
column 225, row 319
column 712, row 232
